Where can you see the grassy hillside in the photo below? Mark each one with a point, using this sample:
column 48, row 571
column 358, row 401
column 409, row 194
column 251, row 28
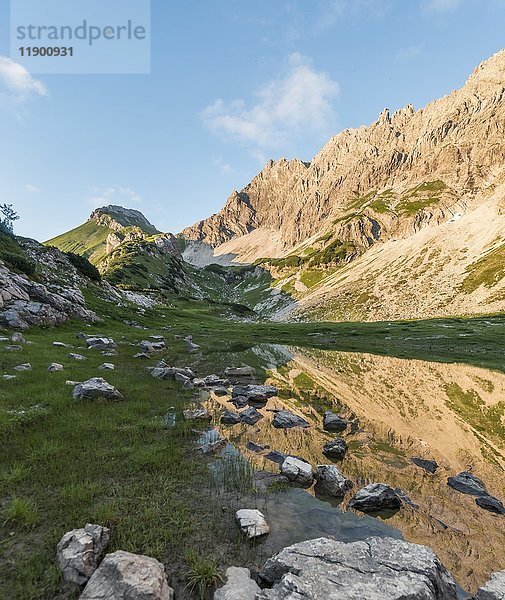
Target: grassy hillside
column 89, row 240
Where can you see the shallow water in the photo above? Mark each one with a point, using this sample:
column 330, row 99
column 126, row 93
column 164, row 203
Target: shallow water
column 401, row 409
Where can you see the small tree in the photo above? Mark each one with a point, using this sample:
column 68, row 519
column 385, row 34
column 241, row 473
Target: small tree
column 9, row 216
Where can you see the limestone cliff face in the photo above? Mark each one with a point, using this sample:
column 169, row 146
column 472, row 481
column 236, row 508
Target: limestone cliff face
column 363, row 181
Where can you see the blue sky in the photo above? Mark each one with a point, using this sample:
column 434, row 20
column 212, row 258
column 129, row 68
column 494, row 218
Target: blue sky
column 233, row 83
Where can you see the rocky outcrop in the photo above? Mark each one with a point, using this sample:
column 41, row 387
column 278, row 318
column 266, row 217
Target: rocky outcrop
column 493, row 589
column 375, row 569
column 125, row 575
column 335, row 449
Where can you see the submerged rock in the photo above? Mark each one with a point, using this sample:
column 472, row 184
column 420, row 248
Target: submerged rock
column 467, row 483
column 331, row 481
column 428, row 465
column 276, row 457
column 333, row 422
column 375, row 497
column 238, row 586
column 297, row 470
column 80, row 550
column 124, row 575
column 490, row 503
column 493, row 589
column 373, row 569
column 252, row 522
column 284, row 419
column 336, row 449
column 96, row 387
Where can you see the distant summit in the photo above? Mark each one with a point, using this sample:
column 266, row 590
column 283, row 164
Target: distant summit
column 117, row 217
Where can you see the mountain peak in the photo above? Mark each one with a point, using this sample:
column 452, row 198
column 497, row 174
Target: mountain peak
column 490, row 71
column 122, row 217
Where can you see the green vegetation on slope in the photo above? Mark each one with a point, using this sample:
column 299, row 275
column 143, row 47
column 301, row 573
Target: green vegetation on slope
column 487, row 271
column 14, row 256
column 89, row 240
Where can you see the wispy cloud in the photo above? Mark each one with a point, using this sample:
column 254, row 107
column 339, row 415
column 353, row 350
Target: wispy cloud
column 297, row 102
column 330, row 12
column 437, row 7
column 33, row 189
column 116, row 194
column 409, row 52
column 17, row 82
column 223, row 166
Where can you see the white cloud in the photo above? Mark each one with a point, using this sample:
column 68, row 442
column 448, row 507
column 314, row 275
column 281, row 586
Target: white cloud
column 440, row 6
column 17, row 81
column 116, row 194
column 33, row 189
column 299, row 102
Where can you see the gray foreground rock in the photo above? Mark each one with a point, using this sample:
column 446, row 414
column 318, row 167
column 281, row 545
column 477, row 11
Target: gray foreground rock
column 374, row 497
column 332, row 422
column 331, row 481
column 96, row 387
column 239, row 586
column 126, row 576
column 336, row 449
column 491, row 503
column 374, row 569
column 285, row 419
column 255, row 393
column 467, row 483
column 297, row 470
column 425, row 463
column 493, row 589
column 80, row 550
column 250, row 416
column 252, row 522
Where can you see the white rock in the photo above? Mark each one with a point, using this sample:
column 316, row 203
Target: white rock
column 494, row 588
column 297, row 470
column 76, row 356
column 252, row 522
column 23, row 367
column 55, row 367
column 107, row 367
column 239, row 585
column 96, row 387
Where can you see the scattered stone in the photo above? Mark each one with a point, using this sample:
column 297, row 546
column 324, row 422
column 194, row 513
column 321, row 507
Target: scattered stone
column 107, row 367
column 197, row 414
column 336, row 449
column 250, row 416
column 239, row 371
column 375, row 497
column 13, row 348
column 297, row 470
column 76, row 356
column 157, row 338
column 124, row 575
column 190, row 346
column 230, row 417
column 80, row 550
column 284, row 419
column 163, row 373
column 494, row 588
column 215, row 446
column 428, row 465
column 149, row 347
column 72, row 383
column 53, row 367
column 276, row 457
column 239, row 401
column 331, row 481
column 181, row 378
column 62, row 345
column 4, row 339
column 333, row 422
column 375, row 569
column 23, row 367
column 18, row 338
column 239, row 585
column 255, row 393
column 255, row 447
column 220, row 392
column 467, row 483
column 252, row 523
column 9, row 377
column 215, row 380
column 112, row 353
column 96, row 387
column 101, row 343
column 490, row 503
column 188, row 385
column 141, row 355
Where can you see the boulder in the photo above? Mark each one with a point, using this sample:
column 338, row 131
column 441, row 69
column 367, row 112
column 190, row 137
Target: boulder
column 276, row 456
column 220, row 392
column 428, row 465
column 141, row 355
column 80, row 550
column 255, row 393
column 215, row 380
column 297, row 470
column 150, row 347
column 101, row 343
column 76, row 356
column 18, row 338
column 197, row 414
column 284, row 419
column 331, row 481
column 163, row 373
column 250, row 416
column 333, row 422
column 493, row 589
column 239, row 401
column 239, row 371
column 230, row 417
column 62, row 345
column 107, row 367
column 123, row 575
column 14, row 348
column 8, row 377
column 336, row 449
column 23, row 367
column 53, row 367
column 373, row 569
column 490, row 503
column 96, row 387
column 375, row 497
column 72, row 383
column 238, row 586
column 467, row 483
column 252, row 523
